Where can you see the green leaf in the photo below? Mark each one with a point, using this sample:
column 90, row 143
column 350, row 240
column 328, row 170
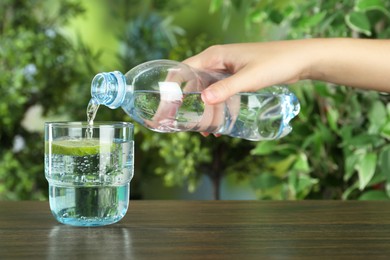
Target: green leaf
column 281, row 167
column 388, row 109
column 377, row 116
column 378, row 178
column 358, row 21
column 366, row 169
column 350, row 162
column 302, row 164
column 346, row 132
column 384, row 161
column 362, row 141
column 374, row 195
column 264, row 148
column 300, row 185
column 369, row 5
column 256, row 16
column 314, row 20
column 265, row 181
column 328, row 21
column 387, row 188
column 333, row 117
column 275, row 16
column 305, row 184
column 215, row 5
column 364, row 5
column 386, row 131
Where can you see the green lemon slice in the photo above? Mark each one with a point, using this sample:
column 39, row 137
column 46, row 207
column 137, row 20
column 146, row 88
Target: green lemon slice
column 80, row 147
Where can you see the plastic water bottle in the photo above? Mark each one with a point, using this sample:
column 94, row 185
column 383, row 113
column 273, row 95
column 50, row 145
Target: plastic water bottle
column 165, row 96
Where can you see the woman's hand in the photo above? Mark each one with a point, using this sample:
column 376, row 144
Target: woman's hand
column 354, row 62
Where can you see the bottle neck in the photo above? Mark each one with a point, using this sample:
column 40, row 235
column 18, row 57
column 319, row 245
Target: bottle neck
column 109, row 89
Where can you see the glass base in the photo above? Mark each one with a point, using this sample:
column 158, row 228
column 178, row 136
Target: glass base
column 89, row 205
column 88, row 222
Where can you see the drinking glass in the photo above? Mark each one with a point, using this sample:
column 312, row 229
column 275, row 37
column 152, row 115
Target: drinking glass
column 89, row 169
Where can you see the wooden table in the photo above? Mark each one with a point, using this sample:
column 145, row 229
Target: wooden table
column 204, row 230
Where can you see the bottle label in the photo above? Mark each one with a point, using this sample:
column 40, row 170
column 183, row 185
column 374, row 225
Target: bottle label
column 170, row 91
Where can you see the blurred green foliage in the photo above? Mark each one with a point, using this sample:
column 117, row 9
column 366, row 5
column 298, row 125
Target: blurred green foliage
column 339, row 147
column 37, row 67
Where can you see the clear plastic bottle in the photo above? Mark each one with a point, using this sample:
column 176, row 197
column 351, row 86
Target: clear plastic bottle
column 165, row 96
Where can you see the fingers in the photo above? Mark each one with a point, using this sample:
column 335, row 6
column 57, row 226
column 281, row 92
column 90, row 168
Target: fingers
column 245, row 80
column 205, row 134
column 194, row 61
column 209, row 59
column 212, row 59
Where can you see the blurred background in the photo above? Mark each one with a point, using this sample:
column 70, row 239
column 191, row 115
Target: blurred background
column 50, row 51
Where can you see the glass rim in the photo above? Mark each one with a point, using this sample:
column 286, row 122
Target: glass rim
column 96, row 124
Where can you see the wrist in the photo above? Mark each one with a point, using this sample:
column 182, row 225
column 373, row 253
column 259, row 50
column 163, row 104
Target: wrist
column 316, row 52
column 328, row 58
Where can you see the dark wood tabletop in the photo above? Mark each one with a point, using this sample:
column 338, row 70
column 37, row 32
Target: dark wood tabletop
column 204, row 230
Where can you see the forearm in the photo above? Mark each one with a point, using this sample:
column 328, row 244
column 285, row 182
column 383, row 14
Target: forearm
column 352, row 62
